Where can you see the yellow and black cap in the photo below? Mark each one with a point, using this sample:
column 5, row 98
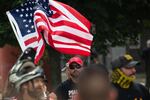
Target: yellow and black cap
column 124, row 61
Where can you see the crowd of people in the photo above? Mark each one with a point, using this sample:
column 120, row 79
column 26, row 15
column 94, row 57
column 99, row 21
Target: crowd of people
column 27, row 81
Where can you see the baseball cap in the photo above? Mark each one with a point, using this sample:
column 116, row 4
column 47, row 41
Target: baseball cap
column 124, row 61
column 75, row 59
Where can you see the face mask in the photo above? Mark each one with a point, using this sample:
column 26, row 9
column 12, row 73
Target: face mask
column 118, row 77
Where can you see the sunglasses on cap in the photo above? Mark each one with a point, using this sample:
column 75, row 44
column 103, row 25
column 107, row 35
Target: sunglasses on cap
column 73, row 66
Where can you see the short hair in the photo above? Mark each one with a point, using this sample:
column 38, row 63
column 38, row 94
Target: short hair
column 94, row 82
column 94, row 69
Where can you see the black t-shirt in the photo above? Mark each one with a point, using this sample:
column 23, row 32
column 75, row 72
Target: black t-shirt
column 66, row 90
column 135, row 92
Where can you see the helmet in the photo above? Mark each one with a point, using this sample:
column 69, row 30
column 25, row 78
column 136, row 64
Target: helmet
column 24, row 71
column 29, row 53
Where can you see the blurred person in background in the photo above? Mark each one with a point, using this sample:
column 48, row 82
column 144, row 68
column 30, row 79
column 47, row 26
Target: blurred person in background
column 94, row 84
column 123, row 76
column 146, row 58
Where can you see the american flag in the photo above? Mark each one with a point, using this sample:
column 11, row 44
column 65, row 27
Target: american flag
column 62, row 27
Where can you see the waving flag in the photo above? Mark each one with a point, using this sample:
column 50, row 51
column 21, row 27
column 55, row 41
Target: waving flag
column 63, row 28
column 21, row 19
column 68, row 31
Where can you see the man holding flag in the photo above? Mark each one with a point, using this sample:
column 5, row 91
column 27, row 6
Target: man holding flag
column 61, row 26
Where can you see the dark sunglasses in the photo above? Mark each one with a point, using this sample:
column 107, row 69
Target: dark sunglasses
column 73, row 66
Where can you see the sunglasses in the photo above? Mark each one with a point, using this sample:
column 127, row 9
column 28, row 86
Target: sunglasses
column 73, row 66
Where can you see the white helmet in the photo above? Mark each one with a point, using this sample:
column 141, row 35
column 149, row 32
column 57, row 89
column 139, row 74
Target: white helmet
column 24, row 71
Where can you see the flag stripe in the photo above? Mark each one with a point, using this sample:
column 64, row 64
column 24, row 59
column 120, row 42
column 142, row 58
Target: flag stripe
column 69, row 14
column 40, row 50
column 27, row 42
column 73, row 37
column 67, row 40
column 41, row 20
column 26, row 37
column 77, row 15
column 56, row 23
column 73, row 51
column 58, row 18
column 72, row 31
column 70, row 46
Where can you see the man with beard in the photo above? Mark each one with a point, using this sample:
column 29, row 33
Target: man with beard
column 68, row 90
column 123, row 76
column 28, row 80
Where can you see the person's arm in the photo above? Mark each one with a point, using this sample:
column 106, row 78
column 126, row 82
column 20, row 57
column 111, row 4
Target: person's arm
column 143, row 90
column 58, row 92
column 146, row 92
column 52, row 96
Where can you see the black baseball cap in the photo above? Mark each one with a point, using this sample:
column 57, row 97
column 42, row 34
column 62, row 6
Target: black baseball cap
column 124, row 61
